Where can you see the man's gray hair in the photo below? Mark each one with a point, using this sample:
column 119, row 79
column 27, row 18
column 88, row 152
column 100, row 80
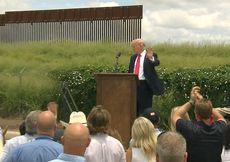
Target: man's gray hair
column 30, row 121
column 171, row 147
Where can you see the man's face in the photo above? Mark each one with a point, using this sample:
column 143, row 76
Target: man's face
column 137, row 49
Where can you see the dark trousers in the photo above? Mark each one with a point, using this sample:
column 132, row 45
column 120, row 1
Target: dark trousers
column 144, row 97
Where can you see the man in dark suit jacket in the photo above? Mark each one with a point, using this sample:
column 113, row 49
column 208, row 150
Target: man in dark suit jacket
column 149, row 82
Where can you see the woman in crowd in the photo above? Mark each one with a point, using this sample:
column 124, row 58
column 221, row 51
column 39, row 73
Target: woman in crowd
column 143, row 147
column 103, row 148
column 172, row 112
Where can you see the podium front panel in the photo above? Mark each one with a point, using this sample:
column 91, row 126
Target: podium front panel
column 117, row 94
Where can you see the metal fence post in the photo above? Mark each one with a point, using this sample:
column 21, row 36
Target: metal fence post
column 20, row 85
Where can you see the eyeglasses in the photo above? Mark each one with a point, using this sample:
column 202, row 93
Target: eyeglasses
column 164, row 132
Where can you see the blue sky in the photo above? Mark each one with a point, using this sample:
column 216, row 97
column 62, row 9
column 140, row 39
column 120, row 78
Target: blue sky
column 163, row 20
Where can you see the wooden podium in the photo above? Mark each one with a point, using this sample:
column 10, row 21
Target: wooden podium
column 116, row 92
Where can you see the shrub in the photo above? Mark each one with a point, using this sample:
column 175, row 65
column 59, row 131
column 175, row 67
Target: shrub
column 177, row 86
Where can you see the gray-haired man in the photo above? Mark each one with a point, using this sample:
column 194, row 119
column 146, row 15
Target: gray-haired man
column 171, row 147
column 30, row 135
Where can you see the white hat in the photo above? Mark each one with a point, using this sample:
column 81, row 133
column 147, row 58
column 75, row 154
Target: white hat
column 75, row 117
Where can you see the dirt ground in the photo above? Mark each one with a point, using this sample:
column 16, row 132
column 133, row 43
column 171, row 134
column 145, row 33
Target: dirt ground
column 13, row 124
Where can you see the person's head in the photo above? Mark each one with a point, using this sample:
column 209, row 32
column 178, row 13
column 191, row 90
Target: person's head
column 52, row 106
column 30, row 121
column 52, row 103
column 153, row 115
column 22, row 128
column 138, row 46
column 227, row 140
column 171, row 146
column 46, row 124
column 75, row 139
column 186, row 116
column 98, row 120
column 144, row 137
column 203, row 109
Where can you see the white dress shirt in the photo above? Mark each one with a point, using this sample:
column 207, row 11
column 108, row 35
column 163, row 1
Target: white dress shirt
column 141, row 70
column 16, row 141
column 104, row 148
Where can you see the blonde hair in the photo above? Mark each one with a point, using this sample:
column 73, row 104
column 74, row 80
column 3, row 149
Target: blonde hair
column 138, row 41
column 186, row 116
column 144, row 137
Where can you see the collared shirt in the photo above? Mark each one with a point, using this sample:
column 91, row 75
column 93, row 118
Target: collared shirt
column 157, row 131
column 68, row 158
column 141, row 70
column 14, row 142
column 204, row 142
column 104, row 148
column 42, row 149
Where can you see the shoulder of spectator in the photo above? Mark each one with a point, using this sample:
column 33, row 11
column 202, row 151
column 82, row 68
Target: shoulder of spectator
column 222, row 121
column 129, row 154
column 221, row 118
column 182, row 123
column 175, row 118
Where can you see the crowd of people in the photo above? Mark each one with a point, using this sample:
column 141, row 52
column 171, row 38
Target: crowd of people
column 91, row 138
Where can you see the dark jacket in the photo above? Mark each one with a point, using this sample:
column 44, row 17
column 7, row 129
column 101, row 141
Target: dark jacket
column 149, row 73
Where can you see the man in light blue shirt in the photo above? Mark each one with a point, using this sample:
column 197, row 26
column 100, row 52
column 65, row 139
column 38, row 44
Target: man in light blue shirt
column 75, row 141
column 43, row 149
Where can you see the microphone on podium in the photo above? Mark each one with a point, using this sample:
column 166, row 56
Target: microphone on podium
column 116, row 63
column 118, row 55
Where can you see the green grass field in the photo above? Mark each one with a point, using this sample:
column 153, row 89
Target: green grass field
column 40, row 58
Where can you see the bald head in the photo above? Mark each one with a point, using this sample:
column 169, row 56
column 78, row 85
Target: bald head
column 76, row 139
column 46, row 122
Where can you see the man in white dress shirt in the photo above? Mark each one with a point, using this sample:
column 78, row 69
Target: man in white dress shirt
column 30, row 135
column 143, row 63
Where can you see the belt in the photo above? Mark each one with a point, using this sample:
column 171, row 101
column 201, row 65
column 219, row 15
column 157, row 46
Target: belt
column 141, row 81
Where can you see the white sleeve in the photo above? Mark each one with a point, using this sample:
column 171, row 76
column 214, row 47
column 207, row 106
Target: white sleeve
column 152, row 59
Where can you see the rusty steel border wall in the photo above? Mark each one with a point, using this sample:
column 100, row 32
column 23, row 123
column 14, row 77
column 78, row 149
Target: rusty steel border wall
column 119, row 24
